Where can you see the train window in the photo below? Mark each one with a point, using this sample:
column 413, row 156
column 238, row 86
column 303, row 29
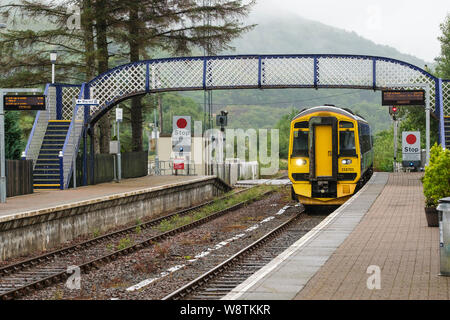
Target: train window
column 300, row 147
column 364, row 137
column 345, row 124
column 301, row 125
column 347, row 143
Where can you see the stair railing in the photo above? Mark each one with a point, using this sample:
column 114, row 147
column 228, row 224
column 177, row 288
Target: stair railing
column 38, row 131
column 72, row 143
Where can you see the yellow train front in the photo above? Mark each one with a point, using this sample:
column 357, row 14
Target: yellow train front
column 330, row 155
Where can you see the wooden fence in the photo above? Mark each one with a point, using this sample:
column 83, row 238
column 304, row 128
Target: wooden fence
column 19, row 177
column 134, row 165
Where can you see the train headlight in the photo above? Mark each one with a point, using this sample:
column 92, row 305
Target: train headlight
column 300, row 162
column 346, row 161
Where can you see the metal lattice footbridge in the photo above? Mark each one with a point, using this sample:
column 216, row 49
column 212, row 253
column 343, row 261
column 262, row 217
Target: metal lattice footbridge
column 213, row 73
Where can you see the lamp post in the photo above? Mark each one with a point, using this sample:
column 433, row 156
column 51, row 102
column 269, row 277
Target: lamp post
column 53, row 56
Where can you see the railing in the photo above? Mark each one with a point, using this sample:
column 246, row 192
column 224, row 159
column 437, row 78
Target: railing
column 166, row 169
column 39, row 128
column 72, row 142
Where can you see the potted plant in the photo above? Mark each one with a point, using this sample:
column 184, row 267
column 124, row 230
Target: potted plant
column 436, row 182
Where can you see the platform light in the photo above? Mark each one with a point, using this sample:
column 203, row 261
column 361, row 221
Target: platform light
column 300, row 162
column 53, row 57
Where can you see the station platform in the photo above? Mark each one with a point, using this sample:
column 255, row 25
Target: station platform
column 45, row 199
column 383, row 227
column 47, row 219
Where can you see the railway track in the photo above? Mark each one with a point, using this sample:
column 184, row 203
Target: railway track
column 220, row 280
column 39, row 272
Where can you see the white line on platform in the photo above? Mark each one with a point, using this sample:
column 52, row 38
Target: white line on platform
column 203, row 254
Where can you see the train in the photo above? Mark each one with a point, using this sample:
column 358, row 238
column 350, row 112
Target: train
column 330, row 155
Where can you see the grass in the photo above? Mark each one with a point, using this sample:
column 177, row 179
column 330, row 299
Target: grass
column 218, row 205
column 124, row 243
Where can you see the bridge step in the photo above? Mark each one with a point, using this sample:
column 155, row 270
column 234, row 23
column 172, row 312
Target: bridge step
column 46, row 173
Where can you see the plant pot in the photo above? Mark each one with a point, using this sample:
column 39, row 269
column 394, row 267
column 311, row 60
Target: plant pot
column 432, row 216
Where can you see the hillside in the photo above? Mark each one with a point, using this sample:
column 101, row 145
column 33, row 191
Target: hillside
column 296, row 35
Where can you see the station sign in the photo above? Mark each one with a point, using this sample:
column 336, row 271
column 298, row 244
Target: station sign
column 119, row 114
column 411, row 146
column 403, row 98
column 178, row 164
column 23, row 102
column 87, row 102
column 181, row 134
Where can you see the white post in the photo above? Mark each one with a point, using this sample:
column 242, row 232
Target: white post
column 395, row 144
column 119, row 158
column 53, row 73
column 74, row 156
column 2, row 151
column 427, row 124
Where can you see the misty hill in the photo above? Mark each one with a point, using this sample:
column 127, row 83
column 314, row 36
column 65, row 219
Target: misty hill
column 292, row 34
column 286, row 33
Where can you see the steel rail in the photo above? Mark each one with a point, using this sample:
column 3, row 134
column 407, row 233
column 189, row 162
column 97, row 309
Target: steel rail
column 236, row 258
column 95, row 263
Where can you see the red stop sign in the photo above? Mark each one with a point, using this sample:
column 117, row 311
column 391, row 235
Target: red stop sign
column 411, row 139
column 181, row 123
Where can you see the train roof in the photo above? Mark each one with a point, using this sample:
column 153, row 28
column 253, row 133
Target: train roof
column 346, row 112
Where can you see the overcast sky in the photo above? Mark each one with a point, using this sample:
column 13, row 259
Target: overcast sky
column 411, row 26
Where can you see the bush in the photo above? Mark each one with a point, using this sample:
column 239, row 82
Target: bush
column 436, row 180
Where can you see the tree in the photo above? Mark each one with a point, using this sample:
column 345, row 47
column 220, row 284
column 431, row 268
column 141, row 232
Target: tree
column 284, row 126
column 443, row 61
column 177, row 27
column 108, row 29
column 13, row 136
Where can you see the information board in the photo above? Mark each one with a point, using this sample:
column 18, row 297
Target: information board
column 403, row 98
column 23, row 102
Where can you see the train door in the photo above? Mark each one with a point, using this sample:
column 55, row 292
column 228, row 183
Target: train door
column 323, row 157
column 324, row 150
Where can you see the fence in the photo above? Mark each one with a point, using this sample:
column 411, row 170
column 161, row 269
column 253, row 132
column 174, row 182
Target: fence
column 19, row 177
column 231, row 171
column 134, row 165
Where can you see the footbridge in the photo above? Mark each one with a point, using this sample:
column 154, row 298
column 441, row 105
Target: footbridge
column 57, row 132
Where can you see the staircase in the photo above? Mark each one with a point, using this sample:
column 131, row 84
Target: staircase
column 447, row 131
column 46, row 172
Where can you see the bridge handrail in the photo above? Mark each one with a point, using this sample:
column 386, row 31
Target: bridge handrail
column 265, row 56
column 76, row 130
column 254, row 72
column 25, row 154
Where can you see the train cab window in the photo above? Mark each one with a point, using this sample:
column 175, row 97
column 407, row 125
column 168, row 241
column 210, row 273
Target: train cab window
column 300, row 147
column 347, row 143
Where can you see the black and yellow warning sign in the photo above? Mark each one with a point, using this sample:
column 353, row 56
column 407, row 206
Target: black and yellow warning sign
column 23, row 102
